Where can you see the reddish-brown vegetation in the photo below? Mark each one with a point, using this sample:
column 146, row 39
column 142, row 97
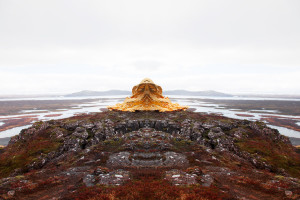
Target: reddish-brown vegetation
column 244, row 115
column 53, row 115
column 22, row 154
column 149, row 189
column 278, row 116
column 74, row 169
column 280, row 155
column 289, row 123
column 10, row 123
column 17, row 106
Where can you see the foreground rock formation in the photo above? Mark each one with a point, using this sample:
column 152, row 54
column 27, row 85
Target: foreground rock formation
column 149, row 155
column 147, row 96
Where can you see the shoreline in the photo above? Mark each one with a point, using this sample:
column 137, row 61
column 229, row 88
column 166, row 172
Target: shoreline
column 57, row 109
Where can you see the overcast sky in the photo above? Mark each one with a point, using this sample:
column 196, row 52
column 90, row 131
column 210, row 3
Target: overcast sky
column 233, row 46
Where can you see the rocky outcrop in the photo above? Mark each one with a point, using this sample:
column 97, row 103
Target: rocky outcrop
column 182, row 148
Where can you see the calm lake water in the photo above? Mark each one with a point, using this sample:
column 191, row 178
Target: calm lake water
column 191, row 101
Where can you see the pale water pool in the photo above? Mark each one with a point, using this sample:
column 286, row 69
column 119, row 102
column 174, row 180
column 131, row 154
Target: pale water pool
column 192, row 102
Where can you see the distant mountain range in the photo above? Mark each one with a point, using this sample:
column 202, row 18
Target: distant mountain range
column 210, row 93
column 98, row 93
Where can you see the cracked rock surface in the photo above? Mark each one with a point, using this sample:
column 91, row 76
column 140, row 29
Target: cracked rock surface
column 149, row 155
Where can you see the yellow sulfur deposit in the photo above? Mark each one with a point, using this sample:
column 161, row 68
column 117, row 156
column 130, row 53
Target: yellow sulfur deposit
column 147, row 96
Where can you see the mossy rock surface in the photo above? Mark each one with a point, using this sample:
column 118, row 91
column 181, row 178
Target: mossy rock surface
column 149, row 155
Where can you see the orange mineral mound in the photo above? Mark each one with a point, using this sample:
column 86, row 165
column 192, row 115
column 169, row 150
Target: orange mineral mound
column 147, row 96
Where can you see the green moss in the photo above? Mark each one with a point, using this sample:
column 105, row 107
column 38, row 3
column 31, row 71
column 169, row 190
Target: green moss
column 254, row 147
column 298, row 149
column 38, row 124
column 181, row 145
column 260, row 124
column 279, row 177
column 279, row 155
column 19, row 177
column 114, row 144
column 20, row 155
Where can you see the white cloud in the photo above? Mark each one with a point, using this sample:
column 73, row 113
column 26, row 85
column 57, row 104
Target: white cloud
column 231, row 46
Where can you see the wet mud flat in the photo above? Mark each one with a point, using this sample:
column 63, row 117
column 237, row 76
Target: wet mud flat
column 17, row 106
column 279, row 113
column 285, row 107
column 16, row 115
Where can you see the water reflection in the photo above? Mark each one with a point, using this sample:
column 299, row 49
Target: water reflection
column 193, row 102
column 13, row 131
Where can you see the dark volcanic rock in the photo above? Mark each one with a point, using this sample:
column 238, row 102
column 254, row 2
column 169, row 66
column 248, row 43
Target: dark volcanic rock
column 209, row 156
